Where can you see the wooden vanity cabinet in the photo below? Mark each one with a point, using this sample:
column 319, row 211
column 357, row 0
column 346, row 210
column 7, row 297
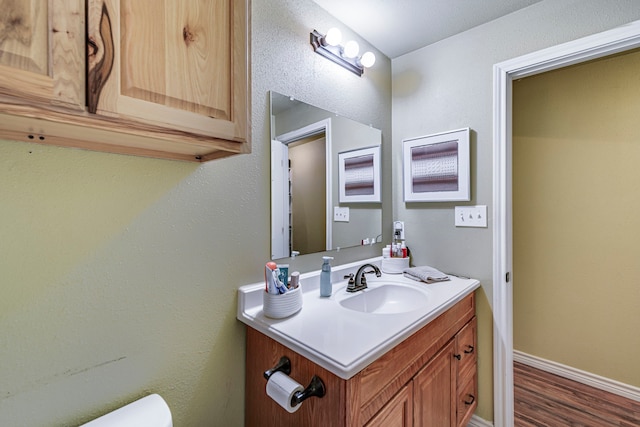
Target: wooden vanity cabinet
column 157, row 79
column 445, row 389
column 420, row 382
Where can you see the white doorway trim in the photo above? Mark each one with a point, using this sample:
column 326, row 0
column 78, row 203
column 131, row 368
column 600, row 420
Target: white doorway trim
column 592, row 47
column 322, row 126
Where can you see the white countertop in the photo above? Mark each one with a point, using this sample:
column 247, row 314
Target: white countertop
column 341, row 340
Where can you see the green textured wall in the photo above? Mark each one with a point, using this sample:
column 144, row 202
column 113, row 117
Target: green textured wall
column 118, row 274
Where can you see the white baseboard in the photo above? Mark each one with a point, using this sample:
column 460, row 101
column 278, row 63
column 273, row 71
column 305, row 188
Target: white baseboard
column 596, row 381
column 476, row 421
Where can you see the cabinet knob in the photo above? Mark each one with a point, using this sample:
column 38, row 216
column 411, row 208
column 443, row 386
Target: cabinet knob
column 470, row 399
column 457, row 356
column 469, row 349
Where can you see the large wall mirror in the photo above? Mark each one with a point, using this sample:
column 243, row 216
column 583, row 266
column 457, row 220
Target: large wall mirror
column 309, row 177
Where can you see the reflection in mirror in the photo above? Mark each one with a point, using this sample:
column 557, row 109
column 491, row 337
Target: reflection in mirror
column 305, row 144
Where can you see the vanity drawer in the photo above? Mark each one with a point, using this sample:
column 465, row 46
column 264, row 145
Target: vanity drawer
column 467, row 398
column 466, row 350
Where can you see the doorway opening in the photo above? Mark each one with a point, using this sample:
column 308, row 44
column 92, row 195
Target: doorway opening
column 592, row 47
column 301, row 191
column 307, row 179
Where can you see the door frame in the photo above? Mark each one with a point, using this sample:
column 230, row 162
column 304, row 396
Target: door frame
column 609, row 42
column 304, row 132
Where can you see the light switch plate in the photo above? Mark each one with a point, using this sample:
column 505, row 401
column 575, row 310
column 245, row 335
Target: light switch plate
column 340, row 214
column 471, row 216
column 398, row 227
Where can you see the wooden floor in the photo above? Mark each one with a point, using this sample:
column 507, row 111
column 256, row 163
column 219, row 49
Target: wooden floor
column 544, row 399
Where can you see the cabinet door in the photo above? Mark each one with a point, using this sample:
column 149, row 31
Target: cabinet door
column 42, row 52
column 182, row 65
column 398, row 412
column 434, row 391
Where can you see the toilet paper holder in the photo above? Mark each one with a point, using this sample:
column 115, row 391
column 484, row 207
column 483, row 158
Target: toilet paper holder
column 315, row 388
column 283, row 365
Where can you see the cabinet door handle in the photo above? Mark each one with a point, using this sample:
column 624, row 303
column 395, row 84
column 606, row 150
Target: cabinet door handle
column 457, row 356
column 469, row 349
column 472, row 399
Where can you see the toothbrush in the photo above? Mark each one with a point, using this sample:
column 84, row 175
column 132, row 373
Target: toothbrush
column 270, row 278
column 273, row 285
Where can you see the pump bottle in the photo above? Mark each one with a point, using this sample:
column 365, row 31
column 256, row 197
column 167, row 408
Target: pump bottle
column 325, row 277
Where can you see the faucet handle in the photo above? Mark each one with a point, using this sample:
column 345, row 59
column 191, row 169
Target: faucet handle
column 375, row 270
column 352, row 280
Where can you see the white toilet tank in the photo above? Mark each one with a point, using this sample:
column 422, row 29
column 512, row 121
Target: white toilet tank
column 150, row 411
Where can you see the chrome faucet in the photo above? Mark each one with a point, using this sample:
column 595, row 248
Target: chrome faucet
column 359, row 282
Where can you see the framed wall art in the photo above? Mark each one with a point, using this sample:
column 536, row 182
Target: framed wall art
column 359, row 175
column 436, row 167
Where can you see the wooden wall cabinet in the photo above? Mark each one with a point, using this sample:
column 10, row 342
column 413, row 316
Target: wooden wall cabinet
column 426, row 380
column 42, row 51
column 161, row 79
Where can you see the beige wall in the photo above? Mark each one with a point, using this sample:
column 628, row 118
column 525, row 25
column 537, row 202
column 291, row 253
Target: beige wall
column 308, row 185
column 575, row 196
column 119, row 274
column 448, row 85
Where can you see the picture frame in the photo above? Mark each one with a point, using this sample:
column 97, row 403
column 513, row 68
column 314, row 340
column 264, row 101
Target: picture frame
column 359, row 175
column 436, row 168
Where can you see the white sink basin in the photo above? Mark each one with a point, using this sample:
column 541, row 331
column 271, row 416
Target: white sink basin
column 330, row 333
column 389, row 298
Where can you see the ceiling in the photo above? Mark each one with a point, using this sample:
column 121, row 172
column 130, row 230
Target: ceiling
column 396, row 27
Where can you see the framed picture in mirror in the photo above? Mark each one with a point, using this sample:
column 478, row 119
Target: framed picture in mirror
column 359, row 175
column 436, row 167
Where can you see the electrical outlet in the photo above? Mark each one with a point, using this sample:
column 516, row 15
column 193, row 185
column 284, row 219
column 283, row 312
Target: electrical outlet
column 340, row 214
column 471, row 216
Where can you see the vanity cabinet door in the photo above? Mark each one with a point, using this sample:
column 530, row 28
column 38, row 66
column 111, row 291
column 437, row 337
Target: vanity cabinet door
column 398, row 412
column 41, row 54
column 173, row 64
column 434, row 391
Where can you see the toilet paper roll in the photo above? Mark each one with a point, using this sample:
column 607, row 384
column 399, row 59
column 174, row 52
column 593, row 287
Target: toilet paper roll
column 281, row 387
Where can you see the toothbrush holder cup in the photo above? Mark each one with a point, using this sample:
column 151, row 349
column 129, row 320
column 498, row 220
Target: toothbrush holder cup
column 282, row 305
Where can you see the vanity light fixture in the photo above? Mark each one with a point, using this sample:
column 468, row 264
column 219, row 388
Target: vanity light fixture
column 347, row 56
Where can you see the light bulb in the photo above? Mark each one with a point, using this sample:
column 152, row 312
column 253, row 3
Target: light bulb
column 351, row 49
column 368, row 59
column 333, row 37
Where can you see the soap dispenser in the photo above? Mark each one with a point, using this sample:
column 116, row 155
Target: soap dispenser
column 325, row 277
